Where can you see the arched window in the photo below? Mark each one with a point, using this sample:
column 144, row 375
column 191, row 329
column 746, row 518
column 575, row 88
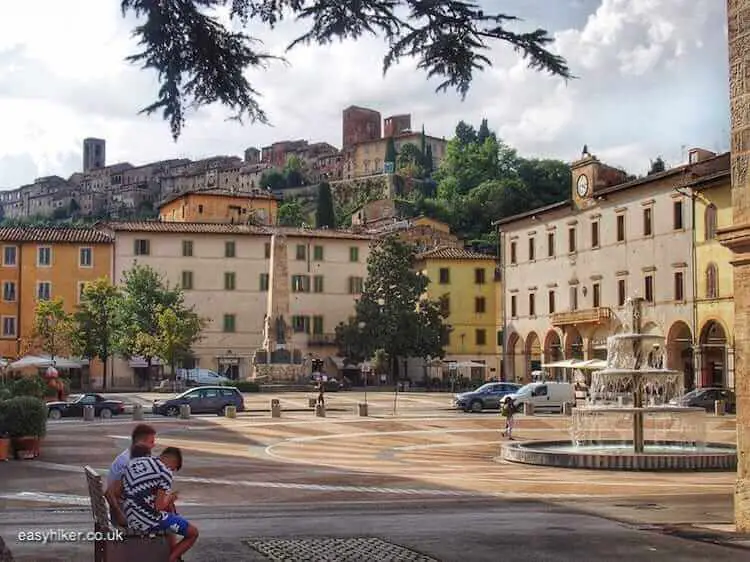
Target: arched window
column 712, row 281
column 710, row 221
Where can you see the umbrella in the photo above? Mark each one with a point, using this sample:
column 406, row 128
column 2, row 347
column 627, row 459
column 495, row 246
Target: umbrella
column 470, row 364
column 41, row 362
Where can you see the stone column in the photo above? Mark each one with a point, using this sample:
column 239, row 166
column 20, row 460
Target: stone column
column 277, row 329
column 737, row 238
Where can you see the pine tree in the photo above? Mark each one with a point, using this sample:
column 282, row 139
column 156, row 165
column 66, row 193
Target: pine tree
column 325, row 215
column 428, row 162
column 390, row 152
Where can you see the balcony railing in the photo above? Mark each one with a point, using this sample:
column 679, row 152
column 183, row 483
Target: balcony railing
column 585, row 316
column 321, row 339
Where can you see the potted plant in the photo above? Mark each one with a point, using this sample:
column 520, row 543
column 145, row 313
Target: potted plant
column 26, row 423
column 4, row 437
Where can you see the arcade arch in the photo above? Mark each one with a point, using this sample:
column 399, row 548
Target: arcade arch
column 713, row 351
column 680, row 352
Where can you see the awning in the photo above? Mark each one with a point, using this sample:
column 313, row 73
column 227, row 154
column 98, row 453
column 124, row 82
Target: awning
column 589, row 364
column 43, row 361
column 140, row 362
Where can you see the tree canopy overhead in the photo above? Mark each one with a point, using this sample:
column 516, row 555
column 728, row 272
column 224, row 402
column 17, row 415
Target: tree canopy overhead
column 200, row 61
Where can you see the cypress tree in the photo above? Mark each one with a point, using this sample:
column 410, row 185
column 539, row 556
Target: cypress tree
column 324, row 213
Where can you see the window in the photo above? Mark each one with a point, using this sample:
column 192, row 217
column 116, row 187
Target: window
column 513, row 307
column 317, row 325
column 480, row 336
column 445, row 305
column 711, row 222
column 550, row 244
column 300, row 283
column 187, row 280
column 647, row 221
column 712, row 281
column 677, row 212
column 596, row 295
column 595, row 234
column 9, row 256
column 621, row 292
column 572, row 239
column 44, row 290
column 9, row 291
column 318, row 253
column 301, row 253
column 230, row 324
column 44, row 256
column 679, row 286
column 230, row 281
column 479, row 276
column 551, row 301
column 353, row 254
column 301, row 324
column 356, row 285
column 187, row 248
column 264, row 282
column 85, row 257
column 268, row 250
column 532, row 304
column 532, row 249
column 9, row 326
column 318, row 284
column 649, row 288
column 621, row 228
column 200, row 209
column 445, row 275
column 513, row 257
column 142, row 247
column 480, row 305
column 230, row 250
column 574, row 298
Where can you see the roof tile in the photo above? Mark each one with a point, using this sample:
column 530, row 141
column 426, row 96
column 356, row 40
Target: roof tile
column 54, row 234
column 228, row 228
column 450, row 253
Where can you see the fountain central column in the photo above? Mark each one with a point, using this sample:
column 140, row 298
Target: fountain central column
column 638, row 440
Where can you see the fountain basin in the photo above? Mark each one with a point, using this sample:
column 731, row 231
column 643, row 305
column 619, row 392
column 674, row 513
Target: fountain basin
column 670, row 456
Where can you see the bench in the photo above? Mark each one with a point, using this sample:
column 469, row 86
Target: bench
column 144, row 547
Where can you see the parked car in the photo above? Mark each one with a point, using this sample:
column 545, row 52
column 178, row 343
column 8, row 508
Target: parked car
column 486, row 397
column 705, row 398
column 545, row 396
column 73, row 407
column 202, row 400
column 201, row 377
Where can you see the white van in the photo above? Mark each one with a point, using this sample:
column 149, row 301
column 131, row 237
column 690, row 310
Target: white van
column 201, row 377
column 545, row 396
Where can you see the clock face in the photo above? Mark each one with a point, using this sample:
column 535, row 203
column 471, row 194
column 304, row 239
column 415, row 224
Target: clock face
column 583, row 185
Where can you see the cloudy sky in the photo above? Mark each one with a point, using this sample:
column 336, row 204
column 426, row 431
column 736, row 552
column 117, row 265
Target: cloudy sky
column 652, row 80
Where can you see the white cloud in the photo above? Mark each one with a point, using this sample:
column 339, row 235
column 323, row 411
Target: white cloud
column 651, row 78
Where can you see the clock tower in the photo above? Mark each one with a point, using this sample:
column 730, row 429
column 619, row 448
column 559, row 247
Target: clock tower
column 589, row 175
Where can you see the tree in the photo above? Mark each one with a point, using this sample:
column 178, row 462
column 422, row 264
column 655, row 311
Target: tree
column 293, row 172
column 177, row 329
column 410, row 161
column 145, row 293
column 390, row 152
column 291, row 213
column 273, row 180
column 97, row 322
column 53, row 327
column 393, row 314
column 657, row 166
column 200, row 60
column 325, row 215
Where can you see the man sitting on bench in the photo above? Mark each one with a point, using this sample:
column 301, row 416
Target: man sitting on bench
column 147, row 492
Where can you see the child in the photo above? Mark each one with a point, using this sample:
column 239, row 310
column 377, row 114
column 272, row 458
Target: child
column 508, row 410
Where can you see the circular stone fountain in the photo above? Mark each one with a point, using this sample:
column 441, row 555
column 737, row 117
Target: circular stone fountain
column 629, row 424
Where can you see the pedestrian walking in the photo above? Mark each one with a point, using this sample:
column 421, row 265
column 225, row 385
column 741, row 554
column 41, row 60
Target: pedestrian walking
column 321, row 393
column 507, row 410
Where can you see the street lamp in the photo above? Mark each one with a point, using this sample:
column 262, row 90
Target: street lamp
column 365, row 373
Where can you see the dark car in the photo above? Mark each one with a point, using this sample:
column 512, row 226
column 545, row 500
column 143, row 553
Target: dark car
column 486, row 397
column 705, row 398
column 103, row 407
column 202, row 400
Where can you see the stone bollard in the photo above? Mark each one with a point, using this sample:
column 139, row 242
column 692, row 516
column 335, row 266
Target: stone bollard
column 88, row 413
column 185, row 411
column 275, row 408
column 137, row 412
column 528, row 409
column 620, row 401
column 320, row 411
column 231, row 411
column 567, row 409
column 720, row 407
column 312, row 402
column 362, row 407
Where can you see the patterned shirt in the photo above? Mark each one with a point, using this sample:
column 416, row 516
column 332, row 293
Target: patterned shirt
column 142, row 479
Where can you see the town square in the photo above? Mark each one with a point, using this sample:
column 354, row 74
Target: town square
column 475, row 287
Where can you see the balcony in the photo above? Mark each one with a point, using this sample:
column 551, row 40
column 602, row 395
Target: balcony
column 585, row 316
column 321, row 340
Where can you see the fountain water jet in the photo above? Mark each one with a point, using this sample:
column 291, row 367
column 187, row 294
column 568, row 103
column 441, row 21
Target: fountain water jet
column 636, row 369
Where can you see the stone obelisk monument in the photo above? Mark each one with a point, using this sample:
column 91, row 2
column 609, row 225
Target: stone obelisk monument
column 737, row 238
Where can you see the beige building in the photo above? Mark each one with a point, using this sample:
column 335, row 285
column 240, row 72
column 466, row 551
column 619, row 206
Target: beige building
column 224, row 271
column 367, row 158
column 568, row 268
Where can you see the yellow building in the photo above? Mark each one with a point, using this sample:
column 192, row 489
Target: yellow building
column 714, row 283
column 468, row 282
column 221, row 206
column 44, row 263
column 368, row 157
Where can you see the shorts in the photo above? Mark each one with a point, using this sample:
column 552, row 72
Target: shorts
column 173, row 523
